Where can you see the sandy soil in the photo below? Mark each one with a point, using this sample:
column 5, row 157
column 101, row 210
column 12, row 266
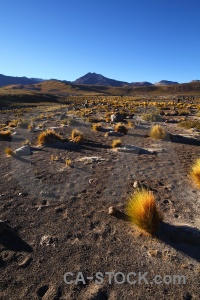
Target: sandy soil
column 59, row 218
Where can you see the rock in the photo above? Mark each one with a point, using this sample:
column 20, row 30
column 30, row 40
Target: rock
column 112, row 210
column 91, row 159
column 117, row 117
column 23, row 151
column 25, row 262
column 48, row 240
column 113, row 133
column 134, row 149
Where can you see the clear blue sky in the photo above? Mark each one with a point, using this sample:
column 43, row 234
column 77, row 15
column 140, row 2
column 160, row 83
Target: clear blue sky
column 129, row 40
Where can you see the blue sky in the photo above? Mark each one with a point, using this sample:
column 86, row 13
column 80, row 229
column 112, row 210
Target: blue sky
column 127, row 40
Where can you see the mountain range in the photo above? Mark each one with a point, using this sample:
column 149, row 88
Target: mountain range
column 88, row 79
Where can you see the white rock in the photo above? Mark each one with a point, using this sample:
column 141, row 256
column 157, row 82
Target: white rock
column 23, row 151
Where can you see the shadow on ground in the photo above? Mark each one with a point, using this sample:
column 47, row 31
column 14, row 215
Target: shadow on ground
column 184, row 238
column 12, row 241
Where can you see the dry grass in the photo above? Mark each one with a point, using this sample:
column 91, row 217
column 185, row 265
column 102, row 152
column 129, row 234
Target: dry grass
column 97, row 127
column 5, row 134
column 143, row 212
column 31, row 127
column 195, row 172
column 49, row 137
column 190, row 124
column 131, row 124
column 13, row 123
column 9, row 152
column 157, row 132
column 152, row 117
column 68, row 162
column 116, row 143
column 26, row 142
column 119, row 127
column 77, row 136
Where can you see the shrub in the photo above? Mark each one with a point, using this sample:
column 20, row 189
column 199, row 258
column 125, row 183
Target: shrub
column 157, row 132
column 77, row 136
column 49, row 137
column 97, row 127
column 5, row 134
column 195, row 172
column 116, row 143
column 143, row 212
column 119, row 127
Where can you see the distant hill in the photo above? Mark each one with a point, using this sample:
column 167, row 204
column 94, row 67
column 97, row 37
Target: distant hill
column 143, row 83
column 94, row 83
column 165, row 82
column 98, row 79
column 7, row 80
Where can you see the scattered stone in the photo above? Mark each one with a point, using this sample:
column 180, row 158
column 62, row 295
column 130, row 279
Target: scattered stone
column 134, row 149
column 112, row 210
column 25, row 262
column 155, row 253
column 117, row 117
column 48, row 240
column 113, row 133
column 23, row 151
column 91, row 159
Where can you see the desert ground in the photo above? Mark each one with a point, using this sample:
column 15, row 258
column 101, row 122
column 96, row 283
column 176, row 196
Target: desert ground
column 55, row 200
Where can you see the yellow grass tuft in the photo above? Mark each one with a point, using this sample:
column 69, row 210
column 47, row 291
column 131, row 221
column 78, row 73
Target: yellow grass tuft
column 195, row 172
column 116, row 143
column 119, row 127
column 5, row 134
column 13, row 123
column 49, row 137
column 77, row 136
column 9, row 152
column 31, row 126
column 131, row 124
column 157, row 132
column 68, row 162
column 143, row 212
column 97, row 127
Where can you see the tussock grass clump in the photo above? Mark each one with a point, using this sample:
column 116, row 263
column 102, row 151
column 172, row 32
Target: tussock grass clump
column 143, row 212
column 13, row 123
column 9, row 152
column 131, row 124
column 5, row 134
column 195, row 172
column 31, row 127
column 119, row 127
column 157, row 132
column 68, row 162
column 97, row 127
column 116, row 143
column 152, row 117
column 77, row 136
column 190, row 124
column 49, row 137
